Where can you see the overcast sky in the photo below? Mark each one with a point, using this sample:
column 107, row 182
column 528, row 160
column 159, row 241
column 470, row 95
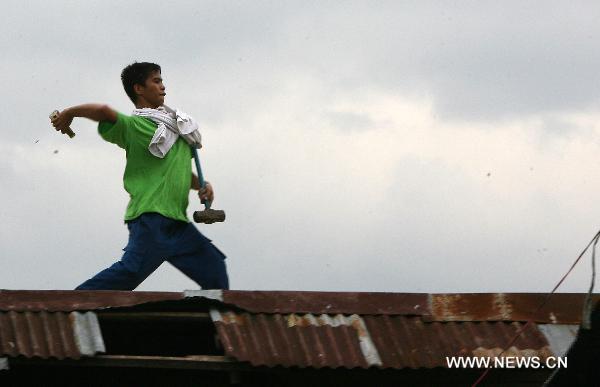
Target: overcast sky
column 355, row 146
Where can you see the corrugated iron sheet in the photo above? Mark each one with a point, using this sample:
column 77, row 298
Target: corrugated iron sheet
column 365, row 341
column 252, row 301
column 328, row 302
column 305, row 329
column 73, row 300
column 414, row 343
column 561, row 308
column 46, row 334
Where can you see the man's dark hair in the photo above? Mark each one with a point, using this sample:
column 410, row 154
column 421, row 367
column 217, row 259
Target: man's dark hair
column 137, row 73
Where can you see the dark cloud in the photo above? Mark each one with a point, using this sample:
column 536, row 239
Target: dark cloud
column 479, row 61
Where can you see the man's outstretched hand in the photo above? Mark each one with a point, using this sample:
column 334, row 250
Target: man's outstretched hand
column 62, row 121
column 94, row 111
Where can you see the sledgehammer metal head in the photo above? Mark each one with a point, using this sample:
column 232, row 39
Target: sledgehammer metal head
column 209, row 216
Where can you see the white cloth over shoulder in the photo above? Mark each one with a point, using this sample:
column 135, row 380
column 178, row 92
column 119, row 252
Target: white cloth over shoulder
column 171, row 124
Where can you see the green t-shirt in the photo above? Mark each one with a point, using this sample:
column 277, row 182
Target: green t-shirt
column 154, row 184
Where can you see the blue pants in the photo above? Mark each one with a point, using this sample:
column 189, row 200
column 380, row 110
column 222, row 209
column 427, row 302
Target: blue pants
column 154, row 239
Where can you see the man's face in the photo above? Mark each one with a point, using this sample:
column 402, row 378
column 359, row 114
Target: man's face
column 153, row 92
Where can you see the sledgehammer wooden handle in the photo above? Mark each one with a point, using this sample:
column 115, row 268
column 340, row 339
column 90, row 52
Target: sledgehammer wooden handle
column 69, row 131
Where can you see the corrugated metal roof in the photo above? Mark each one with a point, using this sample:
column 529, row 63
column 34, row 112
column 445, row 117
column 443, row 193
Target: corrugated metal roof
column 363, row 341
column 49, row 334
column 306, row 329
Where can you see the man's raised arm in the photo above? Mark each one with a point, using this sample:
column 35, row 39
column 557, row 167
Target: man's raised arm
column 93, row 111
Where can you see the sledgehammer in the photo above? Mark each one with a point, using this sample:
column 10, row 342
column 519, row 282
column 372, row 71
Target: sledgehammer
column 209, row 215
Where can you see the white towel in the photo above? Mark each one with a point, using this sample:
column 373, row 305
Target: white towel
column 171, row 124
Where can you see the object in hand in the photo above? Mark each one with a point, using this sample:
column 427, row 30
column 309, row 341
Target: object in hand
column 209, row 216
column 70, row 132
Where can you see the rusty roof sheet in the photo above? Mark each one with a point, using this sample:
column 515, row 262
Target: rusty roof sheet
column 49, row 334
column 73, row 300
column 328, row 302
column 561, row 308
column 384, row 341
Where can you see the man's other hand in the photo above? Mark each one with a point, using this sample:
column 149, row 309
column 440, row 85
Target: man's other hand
column 206, row 193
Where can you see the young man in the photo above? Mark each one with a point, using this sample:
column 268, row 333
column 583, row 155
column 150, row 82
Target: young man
column 158, row 187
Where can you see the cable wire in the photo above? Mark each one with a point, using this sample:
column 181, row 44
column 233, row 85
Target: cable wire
column 587, row 304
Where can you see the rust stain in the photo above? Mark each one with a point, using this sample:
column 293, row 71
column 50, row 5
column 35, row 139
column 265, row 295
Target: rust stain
column 503, row 306
column 233, row 318
column 560, row 309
